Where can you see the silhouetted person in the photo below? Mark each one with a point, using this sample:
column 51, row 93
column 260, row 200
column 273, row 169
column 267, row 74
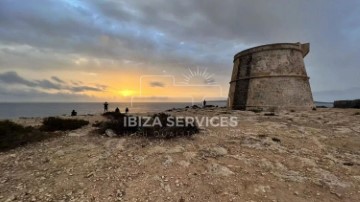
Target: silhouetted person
column 126, row 110
column 204, row 103
column 73, row 113
column 106, row 107
column 117, row 110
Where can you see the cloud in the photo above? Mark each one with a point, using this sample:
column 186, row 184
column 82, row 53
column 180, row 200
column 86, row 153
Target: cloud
column 33, row 95
column 57, row 79
column 12, row 78
column 78, row 89
column 159, row 34
column 157, row 84
column 46, row 84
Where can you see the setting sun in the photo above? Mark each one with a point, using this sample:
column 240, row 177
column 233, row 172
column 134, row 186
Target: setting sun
column 126, row 93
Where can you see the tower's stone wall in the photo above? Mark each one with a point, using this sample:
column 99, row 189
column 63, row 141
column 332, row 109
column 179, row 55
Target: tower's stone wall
column 271, row 77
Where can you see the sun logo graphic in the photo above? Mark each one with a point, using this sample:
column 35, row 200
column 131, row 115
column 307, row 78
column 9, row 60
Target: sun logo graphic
column 196, row 85
column 198, row 77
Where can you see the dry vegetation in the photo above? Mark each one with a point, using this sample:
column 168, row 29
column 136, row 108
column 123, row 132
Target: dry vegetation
column 116, row 123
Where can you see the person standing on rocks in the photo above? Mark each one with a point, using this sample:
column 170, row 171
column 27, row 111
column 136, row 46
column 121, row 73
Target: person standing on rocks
column 106, row 106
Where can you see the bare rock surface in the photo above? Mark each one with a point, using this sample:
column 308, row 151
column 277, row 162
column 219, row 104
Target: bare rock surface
column 293, row 156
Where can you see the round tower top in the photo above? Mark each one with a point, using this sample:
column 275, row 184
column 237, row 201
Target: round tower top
column 303, row 48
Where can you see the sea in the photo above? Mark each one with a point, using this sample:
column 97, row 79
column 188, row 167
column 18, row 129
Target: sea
column 28, row 110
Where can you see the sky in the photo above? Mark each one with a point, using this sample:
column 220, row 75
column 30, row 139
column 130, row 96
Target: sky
column 162, row 50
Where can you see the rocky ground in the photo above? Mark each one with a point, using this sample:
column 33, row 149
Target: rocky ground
column 293, row 156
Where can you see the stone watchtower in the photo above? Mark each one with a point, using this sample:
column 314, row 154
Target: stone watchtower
column 271, row 77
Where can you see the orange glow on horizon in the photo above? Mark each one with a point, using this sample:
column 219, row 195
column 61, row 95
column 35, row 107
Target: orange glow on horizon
column 128, row 85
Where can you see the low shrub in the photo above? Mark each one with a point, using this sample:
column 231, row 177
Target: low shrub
column 117, row 127
column 168, row 130
column 117, row 124
column 114, row 115
column 13, row 135
column 51, row 124
column 153, row 129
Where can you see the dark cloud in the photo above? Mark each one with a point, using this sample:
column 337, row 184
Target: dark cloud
column 46, row 84
column 57, row 79
column 78, row 89
column 157, row 84
column 178, row 34
column 33, row 95
column 12, row 78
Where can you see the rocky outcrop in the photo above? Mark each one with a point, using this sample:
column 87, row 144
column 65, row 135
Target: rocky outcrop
column 347, row 104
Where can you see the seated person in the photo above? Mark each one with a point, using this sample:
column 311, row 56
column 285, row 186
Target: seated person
column 73, row 113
